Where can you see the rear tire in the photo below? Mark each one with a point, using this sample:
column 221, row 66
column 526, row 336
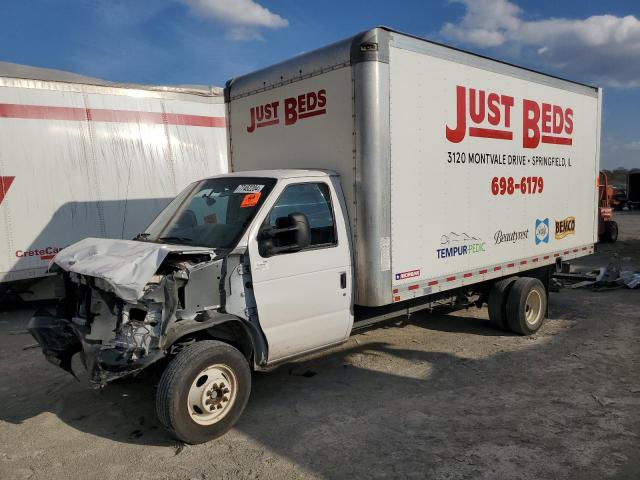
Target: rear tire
column 610, row 232
column 203, row 391
column 498, row 303
column 526, row 306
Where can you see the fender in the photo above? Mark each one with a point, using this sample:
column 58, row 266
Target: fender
column 208, row 320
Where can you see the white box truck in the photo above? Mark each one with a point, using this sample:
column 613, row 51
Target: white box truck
column 375, row 177
column 82, row 157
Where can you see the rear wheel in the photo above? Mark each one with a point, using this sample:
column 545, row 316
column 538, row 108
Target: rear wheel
column 610, row 232
column 203, row 391
column 526, row 306
column 498, row 303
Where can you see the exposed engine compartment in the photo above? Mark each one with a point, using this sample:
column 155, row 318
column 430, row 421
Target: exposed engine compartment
column 117, row 336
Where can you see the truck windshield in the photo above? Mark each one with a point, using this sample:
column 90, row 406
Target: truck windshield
column 210, row 213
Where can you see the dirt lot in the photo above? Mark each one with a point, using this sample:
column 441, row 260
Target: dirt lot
column 442, row 397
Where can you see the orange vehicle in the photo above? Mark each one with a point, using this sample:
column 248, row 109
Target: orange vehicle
column 607, row 227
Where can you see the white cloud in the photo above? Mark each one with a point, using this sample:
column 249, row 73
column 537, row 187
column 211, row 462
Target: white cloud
column 603, row 49
column 243, row 17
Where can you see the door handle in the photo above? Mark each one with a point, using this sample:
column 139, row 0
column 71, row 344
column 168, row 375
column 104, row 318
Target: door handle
column 343, row 280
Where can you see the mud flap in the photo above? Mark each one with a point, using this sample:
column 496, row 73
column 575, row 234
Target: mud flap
column 57, row 338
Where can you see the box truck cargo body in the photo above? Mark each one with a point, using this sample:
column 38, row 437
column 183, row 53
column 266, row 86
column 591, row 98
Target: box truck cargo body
column 453, row 166
column 373, row 178
column 81, row 157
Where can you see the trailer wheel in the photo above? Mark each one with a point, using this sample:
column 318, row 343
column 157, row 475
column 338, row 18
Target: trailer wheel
column 526, row 306
column 610, row 232
column 498, row 303
column 203, row 391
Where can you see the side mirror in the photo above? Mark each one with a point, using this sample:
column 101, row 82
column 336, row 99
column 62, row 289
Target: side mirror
column 291, row 234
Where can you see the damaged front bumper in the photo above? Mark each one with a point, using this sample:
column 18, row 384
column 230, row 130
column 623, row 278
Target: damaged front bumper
column 61, row 339
column 121, row 328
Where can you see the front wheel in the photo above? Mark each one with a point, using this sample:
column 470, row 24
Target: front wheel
column 203, row 391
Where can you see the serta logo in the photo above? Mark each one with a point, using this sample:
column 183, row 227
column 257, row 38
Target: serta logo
column 541, row 122
column 296, row 108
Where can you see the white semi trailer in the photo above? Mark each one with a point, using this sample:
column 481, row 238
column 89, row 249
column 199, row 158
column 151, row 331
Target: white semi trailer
column 375, row 177
column 81, row 157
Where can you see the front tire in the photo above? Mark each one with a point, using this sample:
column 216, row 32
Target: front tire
column 526, row 306
column 203, row 391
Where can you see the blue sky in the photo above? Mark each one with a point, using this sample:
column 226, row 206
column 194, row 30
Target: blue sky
column 209, row 41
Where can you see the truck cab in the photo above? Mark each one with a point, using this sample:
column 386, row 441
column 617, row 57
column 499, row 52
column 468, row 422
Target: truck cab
column 259, row 262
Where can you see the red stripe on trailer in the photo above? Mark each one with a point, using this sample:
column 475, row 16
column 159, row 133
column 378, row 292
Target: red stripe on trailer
column 556, row 254
column 467, row 275
column 43, row 112
column 432, row 283
column 535, row 259
column 523, row 262
column 413, row 287
column 495, row 269
column 567, row 252
column 395, row 290
column 511, row 265
column 546, row 257
column 5, row 183
column 584, row 248
column 46, row 257
column 451, row 279
column 482, row 272
column 575, row 250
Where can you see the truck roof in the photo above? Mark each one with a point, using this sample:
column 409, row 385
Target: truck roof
column 279, row 174
column 373, row 45
column 14, row 74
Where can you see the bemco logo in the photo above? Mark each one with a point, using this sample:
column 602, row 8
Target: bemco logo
column 480, row 113
column 296, row 108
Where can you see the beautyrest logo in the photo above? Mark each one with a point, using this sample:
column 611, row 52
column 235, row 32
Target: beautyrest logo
column 542, row 231
column 565, row 227
column 489, row 115
column 455, row 244
column 510, row 237
column 303, row 106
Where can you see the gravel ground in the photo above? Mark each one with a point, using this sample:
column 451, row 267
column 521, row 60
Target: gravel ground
column 440, row 396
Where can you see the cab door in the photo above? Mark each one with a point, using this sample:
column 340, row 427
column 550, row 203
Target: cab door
column 304, row 297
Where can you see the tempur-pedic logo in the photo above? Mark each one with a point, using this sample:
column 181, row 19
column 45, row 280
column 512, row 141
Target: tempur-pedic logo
column 542, row 231
column 456, row 244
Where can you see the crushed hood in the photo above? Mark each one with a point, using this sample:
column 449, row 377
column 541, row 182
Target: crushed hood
column 126, row 265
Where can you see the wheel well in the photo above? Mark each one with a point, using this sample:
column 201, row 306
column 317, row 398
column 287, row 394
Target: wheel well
column 231, row 332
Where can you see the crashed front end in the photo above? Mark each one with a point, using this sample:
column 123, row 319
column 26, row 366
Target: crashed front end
column 125, row 302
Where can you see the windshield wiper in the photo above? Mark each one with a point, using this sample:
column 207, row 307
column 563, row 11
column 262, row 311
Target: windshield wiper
column 174, row 239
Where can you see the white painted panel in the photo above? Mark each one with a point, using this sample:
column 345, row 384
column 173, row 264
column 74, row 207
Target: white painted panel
column 323, row 141
column 437, row 203
column 76, row 178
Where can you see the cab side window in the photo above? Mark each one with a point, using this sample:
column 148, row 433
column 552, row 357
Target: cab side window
column 314, row 200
